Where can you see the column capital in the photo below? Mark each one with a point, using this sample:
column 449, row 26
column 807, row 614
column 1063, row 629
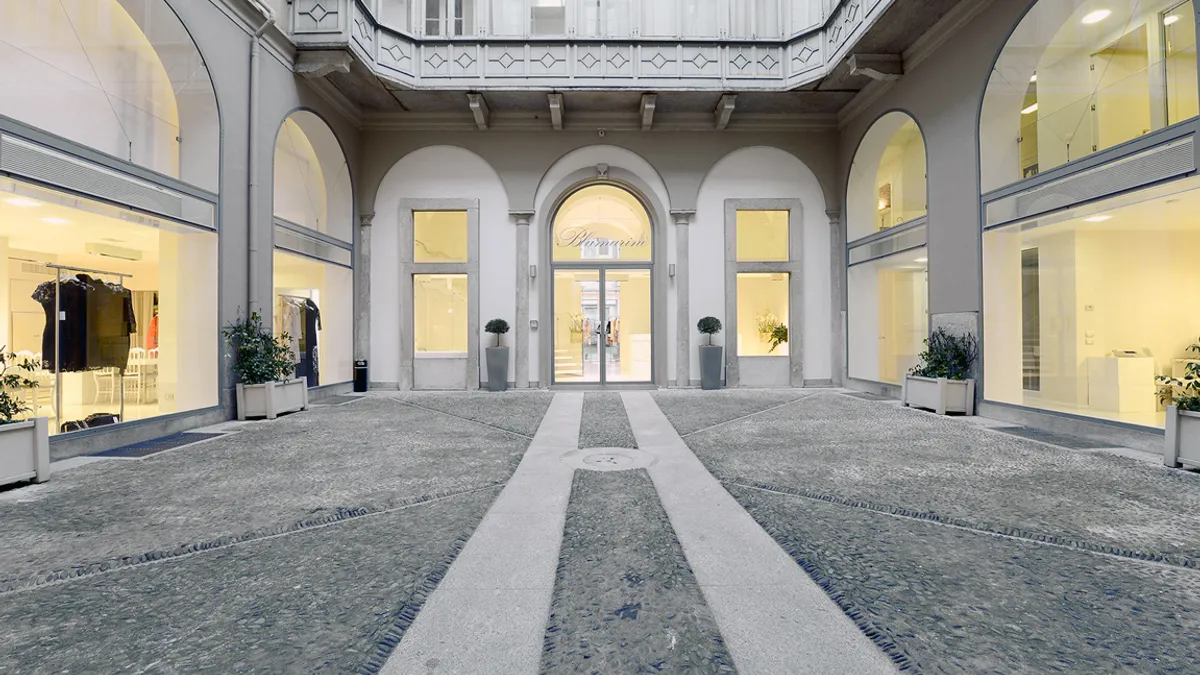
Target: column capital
column 683, row 217
column 365, row 219
column 835, row 216
column 521, row 218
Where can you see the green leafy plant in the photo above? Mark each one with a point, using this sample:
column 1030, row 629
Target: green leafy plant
column 778, row 336
column 11, row 405
column 258, row 355
column 710, row 326
column 496, row 327
column 947, row 355
column 1182, row 392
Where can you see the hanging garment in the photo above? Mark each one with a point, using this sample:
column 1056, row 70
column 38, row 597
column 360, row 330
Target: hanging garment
column 310, row 355
column 152, row 334
column 96, row 321
column 291, row 323
column 71, row 355
column 110, row 323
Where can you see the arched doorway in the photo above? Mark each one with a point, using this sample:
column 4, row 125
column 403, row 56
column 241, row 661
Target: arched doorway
column 602, row 266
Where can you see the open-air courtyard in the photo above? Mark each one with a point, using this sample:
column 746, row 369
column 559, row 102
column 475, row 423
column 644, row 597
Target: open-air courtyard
column 755, row 531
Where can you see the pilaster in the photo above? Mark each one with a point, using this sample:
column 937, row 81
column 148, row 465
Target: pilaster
column 837, row 285
column 683, row 359
column 521, row 323
column 362, row 331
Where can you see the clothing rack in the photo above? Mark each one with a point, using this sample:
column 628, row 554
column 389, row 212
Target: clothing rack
column 119, row 380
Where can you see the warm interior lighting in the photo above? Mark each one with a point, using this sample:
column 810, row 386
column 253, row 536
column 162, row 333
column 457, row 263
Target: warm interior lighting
column 1034, row 78
column 1031, row 109
column 1097, row 16
column 1098, row 219
column 921, row 260
column 22, row 202
column 56, row 221
column 1167, row 21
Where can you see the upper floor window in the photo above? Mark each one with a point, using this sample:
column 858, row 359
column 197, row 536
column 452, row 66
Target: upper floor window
column 755, row 19
column 1077, row 77
column 604, row 18
column 449, row 18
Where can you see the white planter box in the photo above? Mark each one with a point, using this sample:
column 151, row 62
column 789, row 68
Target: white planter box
column 1183, row 438
column 25, row 451
column 272, row 399
column 939, row 395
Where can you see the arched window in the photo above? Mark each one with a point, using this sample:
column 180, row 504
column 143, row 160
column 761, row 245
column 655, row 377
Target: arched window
column 1079, row 76
column 602, row 222
column 312, row 178
column 120, row 76
column 887, row 280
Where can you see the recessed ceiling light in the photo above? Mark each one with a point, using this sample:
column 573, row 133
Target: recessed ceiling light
column 1097, row 16
column 921, row 260
column 56, row 221
column 1098, row 219
column 1030, row 110
column 1034, row 78
column 22, row 202
column 1167, row 21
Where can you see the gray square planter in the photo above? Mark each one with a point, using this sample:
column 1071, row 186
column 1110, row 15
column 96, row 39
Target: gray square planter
column 497, row 368
column 711, row 362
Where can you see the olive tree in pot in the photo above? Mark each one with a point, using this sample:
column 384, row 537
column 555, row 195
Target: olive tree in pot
column 24, row 443
column 497, row 357
column 1181, row 396
column 710, row 354
column 942, row 380
column 265, row 369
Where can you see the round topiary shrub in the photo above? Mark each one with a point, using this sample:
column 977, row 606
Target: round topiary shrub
column 709, row 325
column 496, row 327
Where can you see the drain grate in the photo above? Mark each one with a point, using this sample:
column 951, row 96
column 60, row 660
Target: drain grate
column 157, row 445
column 1061, row 440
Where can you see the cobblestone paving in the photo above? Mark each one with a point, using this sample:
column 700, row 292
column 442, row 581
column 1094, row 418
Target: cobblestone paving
column 332, row 599
column 516, row 411
column 369, row 454
column 691, row 410
column 949, row 600
column 605, row 423
column 835, row 445
column 625, row 599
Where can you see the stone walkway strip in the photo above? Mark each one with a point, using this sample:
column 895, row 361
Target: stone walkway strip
column 772, row 616
column 489, row 613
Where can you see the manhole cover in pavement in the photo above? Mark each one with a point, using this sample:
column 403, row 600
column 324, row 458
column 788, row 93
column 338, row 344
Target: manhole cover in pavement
column 608, row 459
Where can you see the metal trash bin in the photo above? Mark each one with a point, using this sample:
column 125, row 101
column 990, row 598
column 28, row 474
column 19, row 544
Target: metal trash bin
column 360, row 376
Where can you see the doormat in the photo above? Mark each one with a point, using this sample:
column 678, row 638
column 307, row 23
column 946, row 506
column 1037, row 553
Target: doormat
column 1061, row 440
column 157, row 445
column 337, row 400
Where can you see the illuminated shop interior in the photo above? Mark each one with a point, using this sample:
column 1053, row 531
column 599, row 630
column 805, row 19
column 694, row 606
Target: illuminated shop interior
column 313, row 306
column 889, row 316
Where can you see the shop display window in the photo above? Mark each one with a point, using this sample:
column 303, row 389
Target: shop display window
column 137, row 333
column 762, row 236
column 888, row 179
column 602, row 222
column 762, row 305
column 312, row 179
column 1077, row 77
column 888, row 317
column 440, row 236
column 440, row 313
column 1083, row 309
column 314, row 306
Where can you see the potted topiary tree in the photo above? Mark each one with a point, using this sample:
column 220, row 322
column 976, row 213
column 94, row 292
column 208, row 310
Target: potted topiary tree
column 24, row 443
column 942, row 380
column 1181, row 395
column 710, row 354
column 497, row 357
column 266, row 372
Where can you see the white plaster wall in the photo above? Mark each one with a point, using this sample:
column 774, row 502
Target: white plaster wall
column 439, row 172
column 662, row 225
column 763, row 173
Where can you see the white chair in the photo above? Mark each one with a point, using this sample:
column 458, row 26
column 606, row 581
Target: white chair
column 134, row 381
column 106, row 384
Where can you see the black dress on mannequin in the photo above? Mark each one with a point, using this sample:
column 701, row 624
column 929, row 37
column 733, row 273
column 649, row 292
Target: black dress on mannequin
column 310, row 356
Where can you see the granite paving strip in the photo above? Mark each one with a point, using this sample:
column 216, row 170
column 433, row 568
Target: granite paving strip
column 605, row 424
column 333, row 599
column 370, row 454
column 773, row 618
column 492, row 606
column 691, row 410
column 625, row 600
column 913, row 461
column 948, row 600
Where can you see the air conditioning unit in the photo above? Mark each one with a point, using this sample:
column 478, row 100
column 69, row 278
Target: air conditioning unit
column 114, row 252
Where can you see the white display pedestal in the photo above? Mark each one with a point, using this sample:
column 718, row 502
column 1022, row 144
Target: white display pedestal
column 1122, row 384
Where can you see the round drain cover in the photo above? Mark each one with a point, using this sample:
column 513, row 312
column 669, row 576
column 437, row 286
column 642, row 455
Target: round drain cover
column 608, row 459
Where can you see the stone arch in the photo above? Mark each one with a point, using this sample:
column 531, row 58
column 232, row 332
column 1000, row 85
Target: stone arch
column 313, row 185
column 895, row 144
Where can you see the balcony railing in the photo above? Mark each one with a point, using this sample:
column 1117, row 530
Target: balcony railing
column 574, row 61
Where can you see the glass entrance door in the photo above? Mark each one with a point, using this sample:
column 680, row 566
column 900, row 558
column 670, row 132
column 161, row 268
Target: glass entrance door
column 602, row 320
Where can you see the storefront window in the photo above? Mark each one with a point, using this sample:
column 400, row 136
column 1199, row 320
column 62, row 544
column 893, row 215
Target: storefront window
column 395, row 14
column 762, row 236
column 440, row 236
column 314, row 303
column 137, row 335
column 888, row 180
column 888, row 319
column 440, row 313
column 601, row 222
column 1077, row 77
column 1084, row 308
column 762, row 306
column 312, row 178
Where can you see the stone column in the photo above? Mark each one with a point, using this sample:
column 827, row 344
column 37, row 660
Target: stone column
column 521, row 328
column 837, row 252
column 362, row 331
column 683, row 365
